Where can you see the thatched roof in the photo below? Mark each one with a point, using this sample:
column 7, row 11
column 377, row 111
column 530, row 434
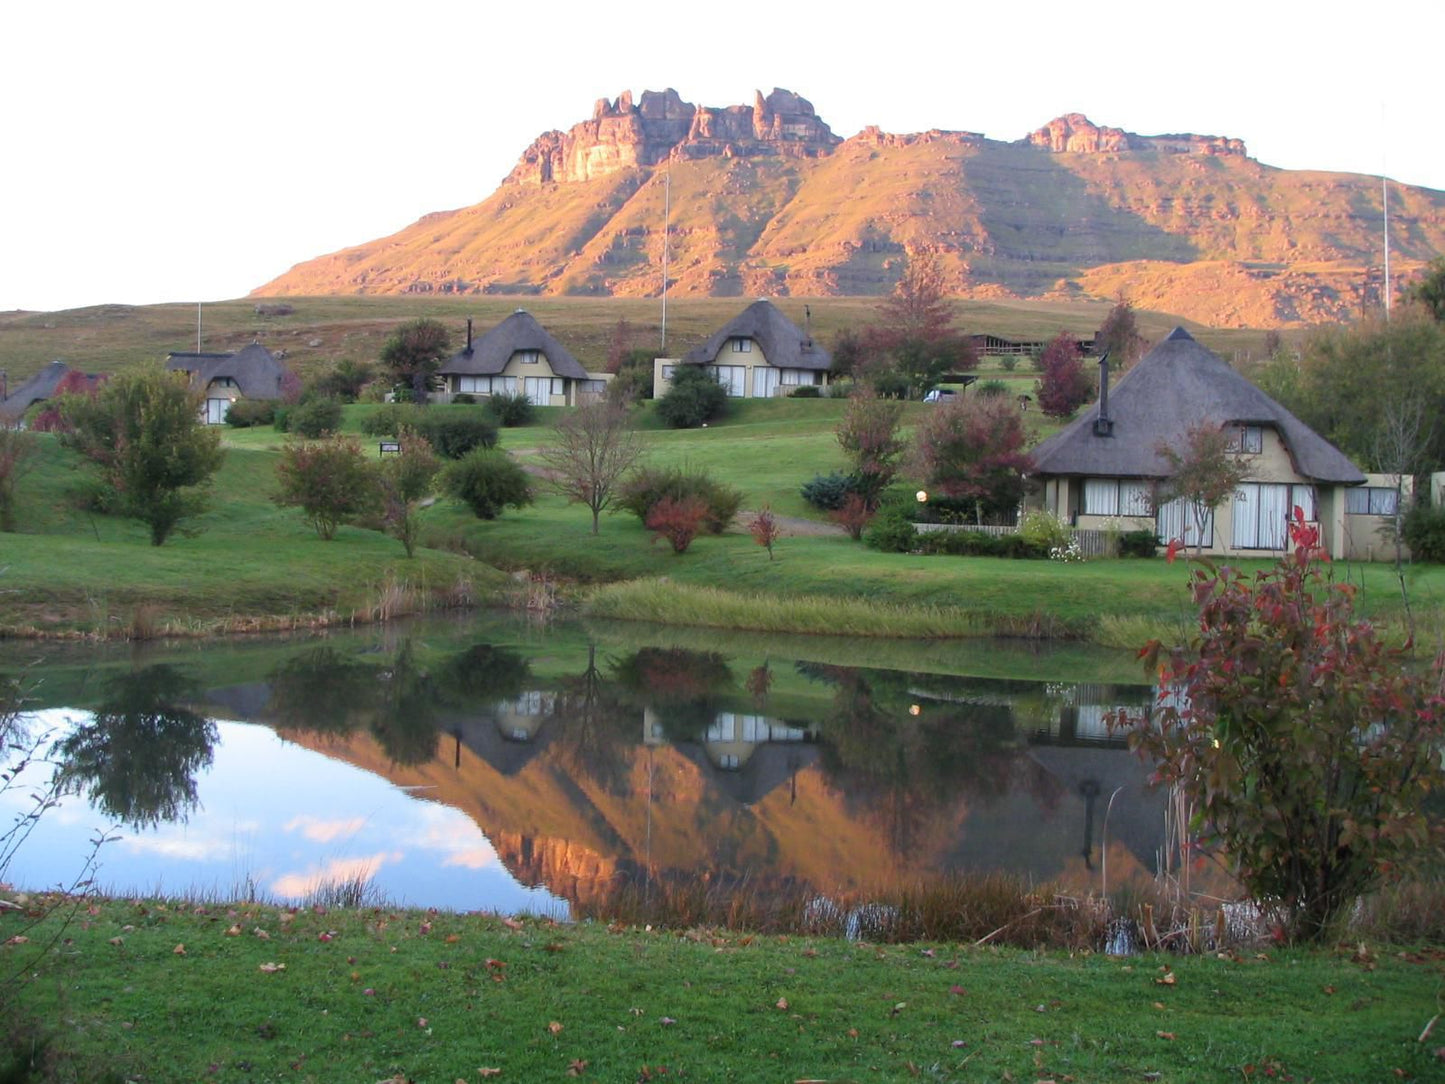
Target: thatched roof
column 256, row 372
column 783, row 343
column 40, row 386
column 489, row 355
column 1178, row 385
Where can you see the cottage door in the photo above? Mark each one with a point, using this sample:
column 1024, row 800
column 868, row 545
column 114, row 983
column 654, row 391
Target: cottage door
column 765, row 382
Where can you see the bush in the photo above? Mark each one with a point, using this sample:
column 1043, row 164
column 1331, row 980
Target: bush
column 828, row 492
column 891, row 532
column 650, row 486
column 629, row 385
column 245, row 413
column 981, row 544
column 390, row 420
column 678, row 521
column 1044, row 529
column 854, row 515
column 991, row 389
column 464, row 397
column 311, row 419
column 330, row 480
column 694, row 398
column 1009, row 362
column 1138, row 544
column 1424, row 531
column 889, row 384
column 487, row 480
column 511, row 410
column 805, row 391
column 453, row 435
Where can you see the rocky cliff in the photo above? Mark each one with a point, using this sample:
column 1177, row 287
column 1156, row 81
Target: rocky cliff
column 766, row 200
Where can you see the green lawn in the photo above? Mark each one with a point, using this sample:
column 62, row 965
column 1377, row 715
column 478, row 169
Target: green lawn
column 161, row 991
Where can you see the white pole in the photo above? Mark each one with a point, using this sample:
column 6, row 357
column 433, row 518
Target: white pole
column 198, row 327
column 666, row 219
column 1385, row 203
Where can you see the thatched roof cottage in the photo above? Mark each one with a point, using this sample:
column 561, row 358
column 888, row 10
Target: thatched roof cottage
column 519, row 356
column 251, row 373
column 758, row 354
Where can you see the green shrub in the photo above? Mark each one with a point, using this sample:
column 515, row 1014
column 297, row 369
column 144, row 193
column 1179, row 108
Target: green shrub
column 652, row 485
column 891, row 532
column 631, row 384
column 464, row 397
column 694, row 398
column 991, row 389
column 453, row 435
column 511, row 410
column 1138, row 544
column 1009, row 362
column 245, row 413
column 890, row 384
column 1044, row 529
column 1424, row 531
column 487, row 480
column 805, row 391
column 390, row 420
column 827, row 492
column 309, row 419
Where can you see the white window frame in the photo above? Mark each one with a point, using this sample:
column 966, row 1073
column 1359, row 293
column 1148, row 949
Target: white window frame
column 1377, row 500
column 1117, row 497
column 741, row 345
column 1246, row 439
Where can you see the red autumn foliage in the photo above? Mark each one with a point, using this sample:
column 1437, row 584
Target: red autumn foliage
column 1064, row 384
column 678, row 521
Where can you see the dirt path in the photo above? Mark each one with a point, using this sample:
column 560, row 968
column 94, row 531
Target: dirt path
column 792, row 525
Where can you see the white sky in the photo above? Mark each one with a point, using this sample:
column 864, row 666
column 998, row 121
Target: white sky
column 158, row 151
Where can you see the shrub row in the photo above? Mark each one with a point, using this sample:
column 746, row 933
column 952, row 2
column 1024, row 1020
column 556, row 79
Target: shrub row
column 451, row 434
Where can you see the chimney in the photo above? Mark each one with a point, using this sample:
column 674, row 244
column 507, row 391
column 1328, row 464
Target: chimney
column 469, row 334
column 1103, row 424
column 807, row 325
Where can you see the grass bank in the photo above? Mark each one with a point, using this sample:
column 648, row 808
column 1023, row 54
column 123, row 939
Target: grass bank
column 131, row 988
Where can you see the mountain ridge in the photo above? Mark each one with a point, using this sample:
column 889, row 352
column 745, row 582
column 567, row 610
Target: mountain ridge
column 765, row 200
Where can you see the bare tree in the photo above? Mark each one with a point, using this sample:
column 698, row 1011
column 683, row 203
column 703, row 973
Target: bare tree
column 1204, row 474
column 1400, row 452
column 595, row 446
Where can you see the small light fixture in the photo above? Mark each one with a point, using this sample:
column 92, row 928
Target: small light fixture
column 914, row 709
column 922, row 496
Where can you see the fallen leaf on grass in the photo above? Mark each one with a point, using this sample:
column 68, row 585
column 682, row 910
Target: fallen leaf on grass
column 511, row 924
column 234, row 931
column 554, row 1027
column 495, row 965
column 782, row 1004
column 486, row 1071
column 1167, row 980
column 1165, row 1035
column 957, row 991
column 271, row 969
column 179, row 950
column 262, row 934
column 117, row 940
column 1159, row 1005
column 576, row 1067
column 453, row 938
column 667, row 1021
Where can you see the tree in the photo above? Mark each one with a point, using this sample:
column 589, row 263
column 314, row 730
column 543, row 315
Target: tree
column 695, row 397
column 143, row 432
column 415, row 352
column 868, row 435
column 17, row 456
column 344, row 381
column 487, row 480
column 594, row 446
column 914, row 328
column 1119, row 336
column 330, row 480
column 678, row 521
column 1307, row 748
column 1344, row 379
column 1064, row 384
column 1203, row 474
column 766, row 530
column 1430, row 290
column 406, row 479
column 972, row 448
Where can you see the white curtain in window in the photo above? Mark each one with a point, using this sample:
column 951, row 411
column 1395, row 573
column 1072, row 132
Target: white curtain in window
column 1135, row 498
column 1175, row 520
column 1274, row 513
column 1101, row 497
column 765, row 382
column 1246, row 517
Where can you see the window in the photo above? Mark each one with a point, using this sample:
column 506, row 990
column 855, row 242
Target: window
column 1261, row 516
column 742, row 346
column 1246, row 439
column 733, row 378
column 667, row 371
column 474, row 385
column 1116, row 497
column 1371, row 501
column 1175, row 520
column 529, row 357
column 557, row 388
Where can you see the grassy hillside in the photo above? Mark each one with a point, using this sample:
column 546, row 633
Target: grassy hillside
column 321, row 331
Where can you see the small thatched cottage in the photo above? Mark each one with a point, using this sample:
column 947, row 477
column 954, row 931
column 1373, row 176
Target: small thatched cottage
column 1104, row 468
column 38, row 388
column 250, row 373
column 759, row 354
column 519, row 356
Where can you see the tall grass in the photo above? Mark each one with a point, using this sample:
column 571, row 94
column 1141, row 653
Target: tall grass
column 666, row 602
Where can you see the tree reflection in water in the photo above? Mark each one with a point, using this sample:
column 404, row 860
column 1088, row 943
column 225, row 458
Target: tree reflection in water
column 137, row 757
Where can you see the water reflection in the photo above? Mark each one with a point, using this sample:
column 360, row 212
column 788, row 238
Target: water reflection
column 138, row 756
column 589, row 767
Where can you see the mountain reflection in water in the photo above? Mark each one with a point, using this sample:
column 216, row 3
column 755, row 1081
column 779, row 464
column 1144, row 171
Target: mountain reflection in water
column 504, row 774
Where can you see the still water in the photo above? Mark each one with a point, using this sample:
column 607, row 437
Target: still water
column 487, row 764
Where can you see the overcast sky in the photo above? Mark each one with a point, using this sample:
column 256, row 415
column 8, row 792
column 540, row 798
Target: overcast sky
column 192, row 151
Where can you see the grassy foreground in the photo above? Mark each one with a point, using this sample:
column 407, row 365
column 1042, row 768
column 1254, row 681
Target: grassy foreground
column 158, row 991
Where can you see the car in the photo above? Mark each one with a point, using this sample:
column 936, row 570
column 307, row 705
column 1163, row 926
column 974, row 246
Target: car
column 940, row 395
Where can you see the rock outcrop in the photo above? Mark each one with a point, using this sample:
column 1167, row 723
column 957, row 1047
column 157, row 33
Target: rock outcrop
column 1074, row 133
column 622, row 134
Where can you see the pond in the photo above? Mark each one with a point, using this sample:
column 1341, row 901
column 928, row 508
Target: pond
column 488, row 764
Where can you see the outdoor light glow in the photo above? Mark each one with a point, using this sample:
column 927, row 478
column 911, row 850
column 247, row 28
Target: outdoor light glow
column 922, row 495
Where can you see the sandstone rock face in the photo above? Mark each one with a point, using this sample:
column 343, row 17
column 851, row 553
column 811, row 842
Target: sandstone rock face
column 1074, row 133
column 623, row 134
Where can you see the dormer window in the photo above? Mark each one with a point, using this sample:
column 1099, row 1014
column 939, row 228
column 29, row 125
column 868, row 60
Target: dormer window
column 1246, row 439
column 529, row 357
column 742, row 346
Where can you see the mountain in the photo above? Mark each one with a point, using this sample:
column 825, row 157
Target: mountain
column 767, row 201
